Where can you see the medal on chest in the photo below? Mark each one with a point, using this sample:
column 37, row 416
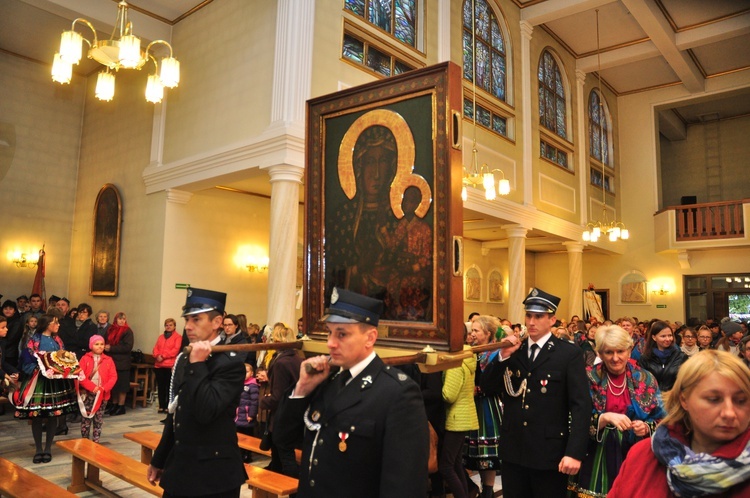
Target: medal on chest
column 343, row 436
column 544, row 385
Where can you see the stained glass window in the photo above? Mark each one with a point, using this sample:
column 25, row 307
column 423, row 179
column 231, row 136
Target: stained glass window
column 486, row 117
column 599, row 133
column 552, row 153
column 365, row 54
column 551, row 95
column 395, row 17
column 489, row 47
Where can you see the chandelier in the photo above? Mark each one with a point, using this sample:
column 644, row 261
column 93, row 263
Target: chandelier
column 613, row 229
column 121, row 51
column 475, row 176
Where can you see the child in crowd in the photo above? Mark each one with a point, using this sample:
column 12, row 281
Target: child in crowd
column 247, row 411
column 29, row 329
column 97, row 378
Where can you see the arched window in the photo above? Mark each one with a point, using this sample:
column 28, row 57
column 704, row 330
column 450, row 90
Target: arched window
column 599, row 132
column 489, row 47
column 552, row 103
column 372, row 26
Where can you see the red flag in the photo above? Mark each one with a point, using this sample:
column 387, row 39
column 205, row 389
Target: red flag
column 39, row 287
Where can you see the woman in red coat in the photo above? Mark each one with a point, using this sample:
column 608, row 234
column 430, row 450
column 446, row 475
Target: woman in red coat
column 165, row 352
column 97, row 378
column 702, row 447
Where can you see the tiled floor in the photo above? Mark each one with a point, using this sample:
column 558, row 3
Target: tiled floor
column 17, row 445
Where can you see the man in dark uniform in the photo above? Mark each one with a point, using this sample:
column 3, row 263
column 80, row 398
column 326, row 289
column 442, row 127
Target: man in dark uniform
column 198, row 453
column 365, row 427
column 542, row 381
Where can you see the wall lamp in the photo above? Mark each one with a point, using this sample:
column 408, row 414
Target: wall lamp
column 21, row 261
column 255, row 264
column 661, row 291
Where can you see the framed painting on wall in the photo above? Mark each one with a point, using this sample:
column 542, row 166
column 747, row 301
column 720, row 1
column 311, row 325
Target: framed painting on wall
column 105, row 251
column 384, row 203
column 495, row 287
column 473, row 285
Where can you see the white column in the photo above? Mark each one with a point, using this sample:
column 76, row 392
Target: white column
column 516, row 271
column 282, row 265
column 292, row 69
column 583, row 153
column 575, row 278
column 526, row 115
column 444, row 30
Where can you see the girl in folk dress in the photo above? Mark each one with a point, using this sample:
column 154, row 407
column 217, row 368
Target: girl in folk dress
column 97, row 378
column 44, row 396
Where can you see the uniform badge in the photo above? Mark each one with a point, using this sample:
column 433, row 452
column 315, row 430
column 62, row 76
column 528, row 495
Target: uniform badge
column 343, row 436
column 402, row 377
column 366, row 380
column 334, row 295
column 315, row 416
column 518, row 374
column 189, row 292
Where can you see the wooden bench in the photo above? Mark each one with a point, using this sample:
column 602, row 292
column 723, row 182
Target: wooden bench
column 149, row 440
column 267, row 484
column 17, row 482
column 98, row 457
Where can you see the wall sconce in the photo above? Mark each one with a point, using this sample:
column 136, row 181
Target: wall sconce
column 21, row 261
column 255, row 264
column 661, row 290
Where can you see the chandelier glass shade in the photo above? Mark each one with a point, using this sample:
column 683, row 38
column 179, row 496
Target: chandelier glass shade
column 474, row 175
column 121, row 51
column 613, row 230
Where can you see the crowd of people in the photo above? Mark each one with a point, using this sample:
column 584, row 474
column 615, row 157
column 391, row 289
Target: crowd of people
column 564, row 408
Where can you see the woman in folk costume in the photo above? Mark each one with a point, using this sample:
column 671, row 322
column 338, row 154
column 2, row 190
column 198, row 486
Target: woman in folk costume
column 626, row 408
column 98, row 376
column 45, row 396
column 481, row 452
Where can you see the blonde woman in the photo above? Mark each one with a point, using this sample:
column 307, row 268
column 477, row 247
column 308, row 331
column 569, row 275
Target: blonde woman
column 702, row 447
column 283, row 373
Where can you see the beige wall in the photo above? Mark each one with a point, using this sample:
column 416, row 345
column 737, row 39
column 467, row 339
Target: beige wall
column 226, row 54
column 115, row 146
column 685, row 161
column 41, row 122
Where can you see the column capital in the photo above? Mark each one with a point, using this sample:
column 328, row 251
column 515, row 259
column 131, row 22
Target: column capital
column 573, row 246
column 285, row 173
column 526, row 29
column 178, row 196
column 515, row 231
column 580, row 77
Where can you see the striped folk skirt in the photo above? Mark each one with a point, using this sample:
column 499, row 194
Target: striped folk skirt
column 481, row 448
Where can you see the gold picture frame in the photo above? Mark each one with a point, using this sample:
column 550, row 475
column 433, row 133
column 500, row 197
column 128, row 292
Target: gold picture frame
column 105, row 250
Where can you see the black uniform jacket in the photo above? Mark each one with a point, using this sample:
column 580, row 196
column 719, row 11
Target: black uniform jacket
column 198, row 451
column 373, row 439
column 535, row 431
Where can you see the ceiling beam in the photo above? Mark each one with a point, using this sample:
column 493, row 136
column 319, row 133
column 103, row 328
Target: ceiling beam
column 619, row 57
column 652, row 21
column 552, row 10
column 714, row 32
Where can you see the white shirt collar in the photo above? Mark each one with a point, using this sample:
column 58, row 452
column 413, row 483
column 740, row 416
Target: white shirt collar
column 541, row 342
column 359, row 367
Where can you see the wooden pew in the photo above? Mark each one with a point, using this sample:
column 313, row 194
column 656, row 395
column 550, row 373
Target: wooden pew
column 17, row 482
column 98, row 457
column 149, row 440
column 264, row 483
column 267, row 484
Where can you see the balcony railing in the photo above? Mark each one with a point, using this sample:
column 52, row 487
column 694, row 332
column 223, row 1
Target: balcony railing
column 716, row 220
